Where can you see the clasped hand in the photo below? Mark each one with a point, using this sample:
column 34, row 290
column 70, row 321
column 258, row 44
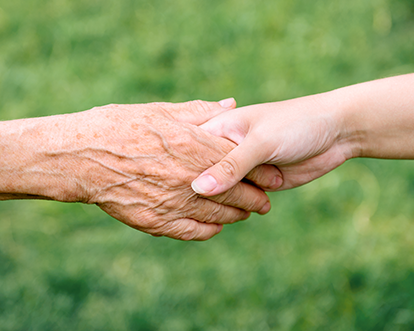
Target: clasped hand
column 136, row 162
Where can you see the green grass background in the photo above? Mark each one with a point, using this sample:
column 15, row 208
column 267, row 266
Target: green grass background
column 336, row 254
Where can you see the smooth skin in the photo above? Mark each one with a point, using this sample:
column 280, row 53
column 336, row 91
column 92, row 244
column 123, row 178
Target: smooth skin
column 308, row 137
column 136, row 162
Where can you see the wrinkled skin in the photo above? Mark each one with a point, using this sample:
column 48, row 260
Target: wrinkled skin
column 136, row 162
column 147, row 185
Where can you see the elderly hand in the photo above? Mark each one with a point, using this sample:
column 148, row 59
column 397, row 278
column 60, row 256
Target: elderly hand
column 136, row 162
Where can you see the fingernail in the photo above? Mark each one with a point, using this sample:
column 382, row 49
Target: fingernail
column 265, row 208
column 204, row 184
column 227, row 103
column 219, row 228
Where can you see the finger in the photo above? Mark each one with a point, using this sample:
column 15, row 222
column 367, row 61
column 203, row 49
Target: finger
column 197, row 112
column 230, row 170
column 301, row 173
column 207, row 211
column 244, row 196
column 186, row 229
column 228, row 126
column 266, row 176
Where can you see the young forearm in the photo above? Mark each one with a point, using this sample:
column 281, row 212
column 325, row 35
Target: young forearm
column 310, row 136
column 378, row 117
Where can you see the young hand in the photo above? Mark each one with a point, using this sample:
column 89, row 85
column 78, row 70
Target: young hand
column 310, row 136
column 302, row 137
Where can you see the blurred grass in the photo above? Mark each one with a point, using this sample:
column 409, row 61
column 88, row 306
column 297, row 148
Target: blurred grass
column 333, row 255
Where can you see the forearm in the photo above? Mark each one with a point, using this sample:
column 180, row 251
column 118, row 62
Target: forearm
column 308, row 137
column 378, row 117
column 28, row 169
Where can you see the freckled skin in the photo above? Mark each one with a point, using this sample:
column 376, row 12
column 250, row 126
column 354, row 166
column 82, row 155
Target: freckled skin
column 135, row 162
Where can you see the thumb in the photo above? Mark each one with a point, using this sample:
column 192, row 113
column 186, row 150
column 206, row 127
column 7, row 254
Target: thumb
column 229, row 171
column 198, row 112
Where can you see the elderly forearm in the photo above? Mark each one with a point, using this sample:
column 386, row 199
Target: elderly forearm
column 136, row 162
column 27, row 168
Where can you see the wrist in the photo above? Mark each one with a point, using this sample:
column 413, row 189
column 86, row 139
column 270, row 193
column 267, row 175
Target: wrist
column 338, row 111
column 351, row 134
column 378, row 117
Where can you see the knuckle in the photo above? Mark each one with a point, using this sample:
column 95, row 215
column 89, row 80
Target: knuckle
column 198, row 105
column 189, row 232
column 229, row 168
column 215, row 214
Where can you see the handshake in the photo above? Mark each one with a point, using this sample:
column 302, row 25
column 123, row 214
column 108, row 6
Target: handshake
column 184, row 170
